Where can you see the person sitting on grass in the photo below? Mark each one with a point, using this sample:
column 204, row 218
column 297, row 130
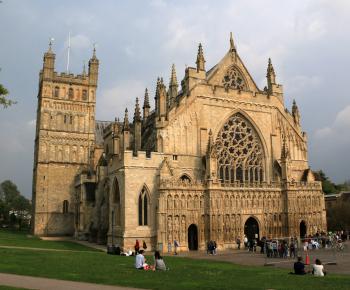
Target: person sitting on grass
column 299, row 267
column 159, row 264
column 317, row 269
column 140, row 261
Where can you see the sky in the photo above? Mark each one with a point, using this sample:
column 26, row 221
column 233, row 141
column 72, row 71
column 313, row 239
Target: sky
column 137, row 41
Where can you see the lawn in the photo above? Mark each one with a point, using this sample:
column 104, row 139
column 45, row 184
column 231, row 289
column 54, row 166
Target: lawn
column 184, row 273
column 24, row 239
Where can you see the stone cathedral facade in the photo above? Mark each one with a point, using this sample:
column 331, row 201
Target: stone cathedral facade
column 217, row 158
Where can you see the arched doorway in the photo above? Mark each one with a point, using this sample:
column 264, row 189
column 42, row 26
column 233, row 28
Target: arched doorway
column 302, row 229
column 251, row 229
column 192, row 237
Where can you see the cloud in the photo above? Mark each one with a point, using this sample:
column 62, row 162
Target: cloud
column 339, row 130
column 79, row 42
column 112, row 101
column 299, row 83
column 158, row 3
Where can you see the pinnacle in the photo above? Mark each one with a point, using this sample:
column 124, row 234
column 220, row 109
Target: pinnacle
column 126, row 121
column 173, row 79
column 200, row 58
column 137, row 114
column 146, row 100
column 232, row 44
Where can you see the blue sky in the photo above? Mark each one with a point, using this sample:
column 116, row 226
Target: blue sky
column 137, row 41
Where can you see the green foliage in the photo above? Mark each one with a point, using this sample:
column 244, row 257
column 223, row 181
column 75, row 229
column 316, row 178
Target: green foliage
column 4, row 101
column 328, row 186
column 14, row 207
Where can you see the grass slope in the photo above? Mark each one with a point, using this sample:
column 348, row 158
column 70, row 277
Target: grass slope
column 98, row 267
column 23, row 239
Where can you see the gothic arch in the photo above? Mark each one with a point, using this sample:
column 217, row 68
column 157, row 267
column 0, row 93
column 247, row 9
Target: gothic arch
column 144, row 206
column 185, row 177
column 240, row 151
column 228, row 115
column 117, row 201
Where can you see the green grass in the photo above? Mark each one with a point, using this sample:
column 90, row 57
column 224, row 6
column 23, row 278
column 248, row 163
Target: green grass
column 98, row 267
column 24, row 239
column 185, row 273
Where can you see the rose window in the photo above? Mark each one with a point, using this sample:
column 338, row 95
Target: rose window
column 239, row 151
column 233, row 79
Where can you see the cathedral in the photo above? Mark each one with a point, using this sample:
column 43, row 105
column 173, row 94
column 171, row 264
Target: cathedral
column 216, row 159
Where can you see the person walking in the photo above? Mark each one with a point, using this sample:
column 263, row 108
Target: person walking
column 176, row 245
column 238, row 241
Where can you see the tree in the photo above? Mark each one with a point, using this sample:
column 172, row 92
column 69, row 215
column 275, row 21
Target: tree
column 4, row 101
column 14, row 207
column 328, row 186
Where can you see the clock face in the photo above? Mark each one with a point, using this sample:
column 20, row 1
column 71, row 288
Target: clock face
column 233, row 79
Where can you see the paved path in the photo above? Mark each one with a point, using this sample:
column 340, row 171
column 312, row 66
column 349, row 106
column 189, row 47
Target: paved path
column 28, row 282
column 243, row 257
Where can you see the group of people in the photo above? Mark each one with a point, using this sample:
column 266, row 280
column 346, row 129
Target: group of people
column 280, row 248
column 317, row 268
column 158, row 265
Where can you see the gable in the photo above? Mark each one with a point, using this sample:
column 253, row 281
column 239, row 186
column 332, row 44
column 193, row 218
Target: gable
column 231, row 73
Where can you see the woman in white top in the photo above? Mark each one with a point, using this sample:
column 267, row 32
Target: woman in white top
column 317, row 269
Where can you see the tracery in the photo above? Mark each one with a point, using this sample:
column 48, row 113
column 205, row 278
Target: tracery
column 233, row 79
column 239, row 151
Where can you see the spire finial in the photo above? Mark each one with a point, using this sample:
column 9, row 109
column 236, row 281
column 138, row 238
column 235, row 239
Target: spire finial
column 173, row 79
column 200, row 58
column 84, row 68
column 137, row 114
column 232, row 44
column 146, row 100
column 94, row 51
column 295, row 112
column 50, row 44
column 126, row 121
column 271, row 76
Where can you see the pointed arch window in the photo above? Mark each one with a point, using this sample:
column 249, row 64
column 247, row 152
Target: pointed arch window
column 65, row 206
column 143, row 207
column 71, row 93
column 57, row 92
column 116, row 201
column 239, row 151
column 185, row 178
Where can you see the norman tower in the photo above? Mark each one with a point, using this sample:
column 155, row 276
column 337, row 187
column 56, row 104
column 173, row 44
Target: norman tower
column 65, row 131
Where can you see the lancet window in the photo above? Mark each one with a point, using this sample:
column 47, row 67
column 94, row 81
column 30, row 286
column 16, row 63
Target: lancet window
column 239, row 152
column 143, row 207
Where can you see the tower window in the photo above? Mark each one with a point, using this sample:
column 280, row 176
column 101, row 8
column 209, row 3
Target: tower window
column 84, row 96
column 65, row 206
column 71, row 93
column 65, row 119
column 71, row 120
column 143, row 208
column 57, row 92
